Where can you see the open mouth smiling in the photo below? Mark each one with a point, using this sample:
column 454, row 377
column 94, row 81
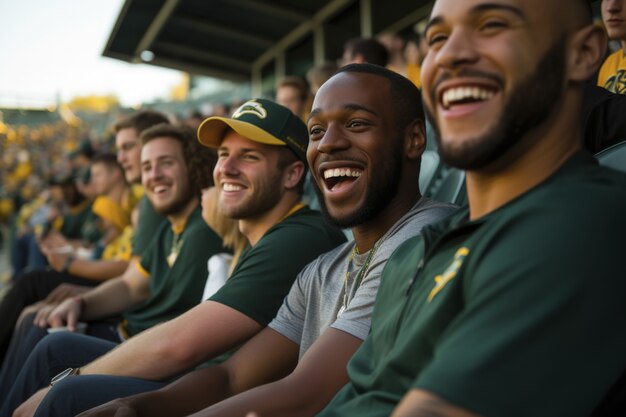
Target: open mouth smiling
column 160, row 189
column 231, row 187
column 456, row 96
column 335, row 176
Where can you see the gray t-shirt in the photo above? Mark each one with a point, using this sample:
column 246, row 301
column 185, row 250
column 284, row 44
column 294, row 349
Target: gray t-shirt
column 317, row 296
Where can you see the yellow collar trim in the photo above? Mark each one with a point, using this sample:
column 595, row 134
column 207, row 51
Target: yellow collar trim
column 299, row 205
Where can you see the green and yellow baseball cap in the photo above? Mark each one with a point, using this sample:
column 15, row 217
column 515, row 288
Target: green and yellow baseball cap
column 261, row 121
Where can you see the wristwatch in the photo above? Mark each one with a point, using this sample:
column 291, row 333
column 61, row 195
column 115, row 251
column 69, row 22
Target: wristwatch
column 68, row 262
column 65, row 374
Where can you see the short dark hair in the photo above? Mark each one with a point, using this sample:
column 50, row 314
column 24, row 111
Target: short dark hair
column 372, row 51
column 200, row 160
column 141, row 121
column 405, row 96
column 588, row 9
column 108, row 159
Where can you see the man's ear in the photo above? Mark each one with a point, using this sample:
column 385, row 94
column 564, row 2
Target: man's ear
column 589, row 46
column 293, row 174
column 358, row 59
column 415, row 139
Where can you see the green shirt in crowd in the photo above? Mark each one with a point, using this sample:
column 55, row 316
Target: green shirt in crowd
column 518, row 313
column 81, row 223
column 177, row 268
column 149, row 221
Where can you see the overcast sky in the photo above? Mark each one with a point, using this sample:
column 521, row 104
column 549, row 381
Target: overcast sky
column 50, row 47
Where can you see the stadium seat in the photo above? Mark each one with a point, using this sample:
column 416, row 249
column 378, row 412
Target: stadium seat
column 452, row 188
column 614, row 404
column 429, row 169
column 614, row 157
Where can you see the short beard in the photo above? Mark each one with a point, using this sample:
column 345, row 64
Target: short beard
column 177, row 206
column 529, row 105
column 382, row 189
column 267, row 195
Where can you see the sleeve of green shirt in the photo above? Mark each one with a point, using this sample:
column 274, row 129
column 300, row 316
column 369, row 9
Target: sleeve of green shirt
column 265, row 273
column 149, row 222
column 151, row 250
column 528, row 294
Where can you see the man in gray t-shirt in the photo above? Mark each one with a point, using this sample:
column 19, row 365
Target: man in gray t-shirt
column 318, row 296
column 366, row 138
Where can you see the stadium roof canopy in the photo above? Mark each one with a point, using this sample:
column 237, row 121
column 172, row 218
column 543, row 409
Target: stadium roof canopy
column 233, row 39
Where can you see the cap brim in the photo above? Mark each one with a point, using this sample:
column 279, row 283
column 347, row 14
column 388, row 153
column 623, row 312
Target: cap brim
column 211, row 132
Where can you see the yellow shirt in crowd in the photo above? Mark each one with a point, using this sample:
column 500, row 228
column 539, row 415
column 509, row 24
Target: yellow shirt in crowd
column 613, row 73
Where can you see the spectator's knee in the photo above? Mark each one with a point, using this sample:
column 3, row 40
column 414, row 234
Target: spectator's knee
column 57, row 344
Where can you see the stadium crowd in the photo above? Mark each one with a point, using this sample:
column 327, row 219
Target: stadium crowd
column 298, row 256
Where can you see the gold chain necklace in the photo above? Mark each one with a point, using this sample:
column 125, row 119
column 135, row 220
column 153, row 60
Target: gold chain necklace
column 359, row 277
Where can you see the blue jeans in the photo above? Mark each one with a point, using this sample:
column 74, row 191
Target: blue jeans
column 28, row 289
column 26, row 255
column 75, row 395
column 33, row 359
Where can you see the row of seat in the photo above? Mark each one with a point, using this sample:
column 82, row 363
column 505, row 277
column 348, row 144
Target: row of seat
column 443, row 183
column 447, row 184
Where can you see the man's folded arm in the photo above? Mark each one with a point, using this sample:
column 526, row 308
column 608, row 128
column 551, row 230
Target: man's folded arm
column 98, row 270
column 116, row 295
column 176, row 346
column 318, row 376
column 267, row 357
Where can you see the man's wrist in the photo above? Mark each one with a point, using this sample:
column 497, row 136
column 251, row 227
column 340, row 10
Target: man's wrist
column 68, row 263
column 80, row 302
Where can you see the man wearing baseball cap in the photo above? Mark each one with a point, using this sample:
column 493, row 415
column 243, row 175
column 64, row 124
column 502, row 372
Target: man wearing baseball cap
column 261, row 121
column 261, row 164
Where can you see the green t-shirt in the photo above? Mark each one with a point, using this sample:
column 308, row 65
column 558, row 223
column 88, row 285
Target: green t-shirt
column 175, row 289
column 519, row 313
column 264, row 274
column 81, row 223
column 149, row 221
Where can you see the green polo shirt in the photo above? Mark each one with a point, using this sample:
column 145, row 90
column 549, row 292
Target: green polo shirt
column 519, row 313
column 265, row 272
column 149, row 222
column 174, row 288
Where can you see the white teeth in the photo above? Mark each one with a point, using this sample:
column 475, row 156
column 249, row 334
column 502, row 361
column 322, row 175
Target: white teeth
column 159, row 189
column 463, row 93
column 232, row 187
column 341, row 172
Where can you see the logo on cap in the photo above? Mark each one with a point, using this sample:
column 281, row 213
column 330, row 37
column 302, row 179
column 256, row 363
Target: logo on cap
column 251, row 107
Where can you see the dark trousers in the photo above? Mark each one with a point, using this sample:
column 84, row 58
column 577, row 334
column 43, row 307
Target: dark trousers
column 28, row 289
column 23, row 344
column 26, row 255
column 75, row 394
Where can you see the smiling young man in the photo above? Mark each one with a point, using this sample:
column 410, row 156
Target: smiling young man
column 165, row 282
column 612, row 75
column 497, row 311
column 128, row 146
column 39, row 285
column 259, row 181
column 366, row 137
